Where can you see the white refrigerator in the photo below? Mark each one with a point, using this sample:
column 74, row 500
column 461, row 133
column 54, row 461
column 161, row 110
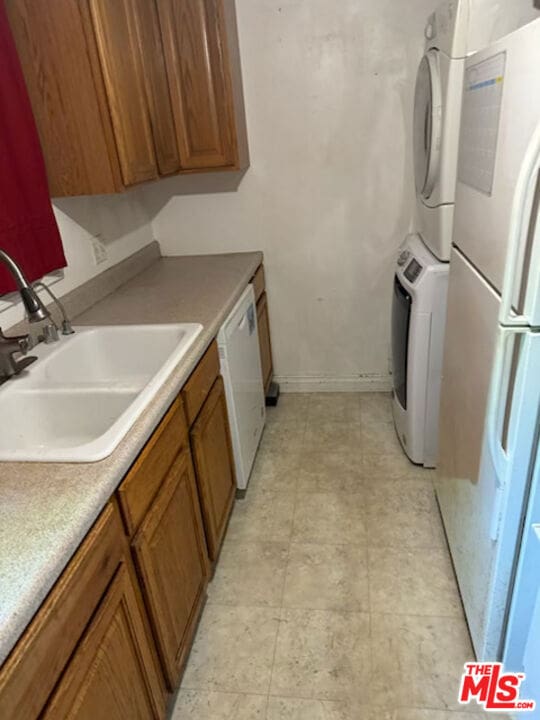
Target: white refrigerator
column 489, row 419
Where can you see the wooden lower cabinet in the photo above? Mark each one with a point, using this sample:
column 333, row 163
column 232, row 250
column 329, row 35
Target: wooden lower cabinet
column 171, row 559
column 114, row 672
column 265, row 344
column 112, row 638
column 214, row 463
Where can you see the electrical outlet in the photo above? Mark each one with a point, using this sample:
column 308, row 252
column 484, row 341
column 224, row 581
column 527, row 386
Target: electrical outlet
column 99, row 249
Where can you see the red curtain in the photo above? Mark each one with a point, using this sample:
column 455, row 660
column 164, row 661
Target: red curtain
column 28, row 230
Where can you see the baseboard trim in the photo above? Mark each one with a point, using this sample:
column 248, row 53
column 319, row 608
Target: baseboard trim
column 315, row 383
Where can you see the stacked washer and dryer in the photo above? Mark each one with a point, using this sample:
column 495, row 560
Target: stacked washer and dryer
column 456, row 29
column 421, row 277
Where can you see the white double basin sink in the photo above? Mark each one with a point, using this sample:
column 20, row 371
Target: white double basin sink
column 78, row 400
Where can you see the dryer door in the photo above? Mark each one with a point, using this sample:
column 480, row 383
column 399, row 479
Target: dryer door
column 427, row 124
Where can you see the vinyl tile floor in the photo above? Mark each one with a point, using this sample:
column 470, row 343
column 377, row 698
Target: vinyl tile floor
column 334, row 597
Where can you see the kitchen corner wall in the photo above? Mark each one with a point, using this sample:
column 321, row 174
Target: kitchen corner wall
column 120, row 222
column 329, row 95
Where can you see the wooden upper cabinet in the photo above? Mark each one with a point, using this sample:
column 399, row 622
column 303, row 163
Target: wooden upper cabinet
column 114, row 672
column 214, row 464
column 157, row 87
column 171, row 558
column 120, row 53
column 125, row 91
column 61, row 68
column 194, row 37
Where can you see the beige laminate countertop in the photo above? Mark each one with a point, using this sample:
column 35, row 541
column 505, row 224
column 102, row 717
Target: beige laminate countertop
column 46, row 509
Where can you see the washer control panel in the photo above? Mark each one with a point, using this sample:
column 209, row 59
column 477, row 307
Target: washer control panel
column 413, row 271
column 404, row 255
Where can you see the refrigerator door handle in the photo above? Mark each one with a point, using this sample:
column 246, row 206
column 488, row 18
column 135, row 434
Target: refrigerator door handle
column 521, row 222
column 529, row 249
column 497, row 409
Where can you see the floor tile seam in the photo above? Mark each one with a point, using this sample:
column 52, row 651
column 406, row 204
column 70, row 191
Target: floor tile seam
column 431, row 708
column 281, row 604
column 418, row 511
column 242, row 544
column 425, row 616
column 404, row 546
column 318, row 698
column 418, row 615
column 226, row 692
column 370, row 705
column 244, row 606
column 362, row 545
column 331, row 611
column 330, row 544
column 271, row 676
column 372, row 479
column 284, row 583
column 295, row 505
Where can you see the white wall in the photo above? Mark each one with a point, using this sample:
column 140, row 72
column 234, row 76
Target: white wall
column 329, row 91
column 123, row 225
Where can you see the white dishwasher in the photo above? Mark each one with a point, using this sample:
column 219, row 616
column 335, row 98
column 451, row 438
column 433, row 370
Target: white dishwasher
column 240, row 361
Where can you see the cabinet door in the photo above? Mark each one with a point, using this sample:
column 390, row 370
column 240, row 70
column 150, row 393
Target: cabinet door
column 157, row 87
column 120, row 55
column 113, row 673
column 214, row 465
column 196, row 55
column 265, row 344
column 67, row 94
column 171, row 558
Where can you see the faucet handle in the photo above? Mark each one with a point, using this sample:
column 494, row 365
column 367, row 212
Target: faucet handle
column 22, row 343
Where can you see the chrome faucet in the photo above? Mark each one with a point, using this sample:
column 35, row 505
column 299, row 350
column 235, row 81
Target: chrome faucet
column 67, row 328
column 35, row 311
column 9, row 347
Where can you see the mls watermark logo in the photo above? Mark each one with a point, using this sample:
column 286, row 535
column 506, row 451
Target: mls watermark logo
column 494, row 689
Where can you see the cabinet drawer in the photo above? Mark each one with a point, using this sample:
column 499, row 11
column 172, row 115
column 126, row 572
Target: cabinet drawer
column 33, row 668
column 200, row 382
column 147, row 474
column 258, row 282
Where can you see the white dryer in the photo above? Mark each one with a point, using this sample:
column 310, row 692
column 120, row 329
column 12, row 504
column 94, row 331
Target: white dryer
column 437, row 111
column 453, row 31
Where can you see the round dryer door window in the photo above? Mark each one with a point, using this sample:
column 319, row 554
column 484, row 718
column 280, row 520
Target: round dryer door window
column 427, row 124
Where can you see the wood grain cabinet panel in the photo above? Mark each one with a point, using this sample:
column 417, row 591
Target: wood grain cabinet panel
column 126, row 91
column 61, row 68
column 259, row 282
column 157, row 88
column 200, row 382
column 214, row 464
column 149, row 470
column 171, row 558
column 196, row 55
column 265, row 344
column 37, row 661
column 117, row 35
column 114, row 672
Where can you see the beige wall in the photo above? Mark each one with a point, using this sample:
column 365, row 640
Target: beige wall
column 329, row 91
